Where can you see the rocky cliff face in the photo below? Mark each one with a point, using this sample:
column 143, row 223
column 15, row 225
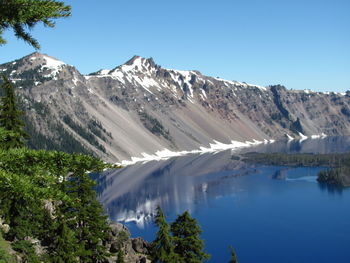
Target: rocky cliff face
column 140, row 107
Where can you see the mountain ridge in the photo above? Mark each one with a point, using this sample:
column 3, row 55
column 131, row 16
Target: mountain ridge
column 139, row 108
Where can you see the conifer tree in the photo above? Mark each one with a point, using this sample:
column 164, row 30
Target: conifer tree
column 20, row 15
column 163, row 247
column 188, row 244
column 10, row 117
column 233, row 256
column 65, row 245
column 87, row 213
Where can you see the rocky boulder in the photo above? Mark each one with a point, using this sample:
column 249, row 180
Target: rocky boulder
column 135, row 250
column 139, row 245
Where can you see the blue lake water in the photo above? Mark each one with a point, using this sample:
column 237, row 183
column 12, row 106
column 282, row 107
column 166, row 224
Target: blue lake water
column 290, row 219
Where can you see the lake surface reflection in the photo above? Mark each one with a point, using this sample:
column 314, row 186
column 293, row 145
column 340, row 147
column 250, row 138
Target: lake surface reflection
column 269, row 214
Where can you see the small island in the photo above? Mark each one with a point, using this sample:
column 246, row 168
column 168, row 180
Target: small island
column 337, row 165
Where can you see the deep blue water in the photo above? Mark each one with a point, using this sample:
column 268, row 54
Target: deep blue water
column 293, row 219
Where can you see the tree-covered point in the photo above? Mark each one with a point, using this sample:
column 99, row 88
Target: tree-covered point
column 300, row 159
column 338, row 172
column 336, row 176
column 23, row 15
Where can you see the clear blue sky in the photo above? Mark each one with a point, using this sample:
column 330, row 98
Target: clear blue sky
column 300, row 44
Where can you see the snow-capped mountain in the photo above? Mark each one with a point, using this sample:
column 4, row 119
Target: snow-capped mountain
column 139, row 108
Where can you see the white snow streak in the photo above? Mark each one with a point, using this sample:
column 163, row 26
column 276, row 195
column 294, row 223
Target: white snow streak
column 290, row 138
column 165, row 154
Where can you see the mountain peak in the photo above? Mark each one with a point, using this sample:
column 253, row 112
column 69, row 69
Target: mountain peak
column 44, row 61
column 49, row 66
column 133, row 60
column 47, row 60
column 136, row 64
column 138, row 60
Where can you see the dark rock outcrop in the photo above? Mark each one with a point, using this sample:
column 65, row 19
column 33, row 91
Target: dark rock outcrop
column 139, row 245
column 136, row 250
column 279, row 175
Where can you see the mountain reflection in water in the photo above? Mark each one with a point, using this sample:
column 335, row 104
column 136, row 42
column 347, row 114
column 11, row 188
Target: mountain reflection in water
column 133, row 193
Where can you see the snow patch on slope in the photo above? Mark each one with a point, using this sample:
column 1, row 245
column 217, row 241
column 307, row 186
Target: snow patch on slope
column 52, row 64
column 183, row 77
column 130, row 72
column 165, row 154
column 240, row 84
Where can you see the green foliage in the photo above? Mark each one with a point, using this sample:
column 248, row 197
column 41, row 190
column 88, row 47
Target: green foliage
column 75, row 229
column 120, row 257
column 27, row 249
column 163, row 246
column 59, row 140
column 21, row 202
column 5, row 256
column 56, row 164
column 233, row 258
column 92, row 227
column 188, row 244
column 10, row 118
column 7, row 139
column 20, row 15
column 65, row 141
column 183, row 246
column 64, row 248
